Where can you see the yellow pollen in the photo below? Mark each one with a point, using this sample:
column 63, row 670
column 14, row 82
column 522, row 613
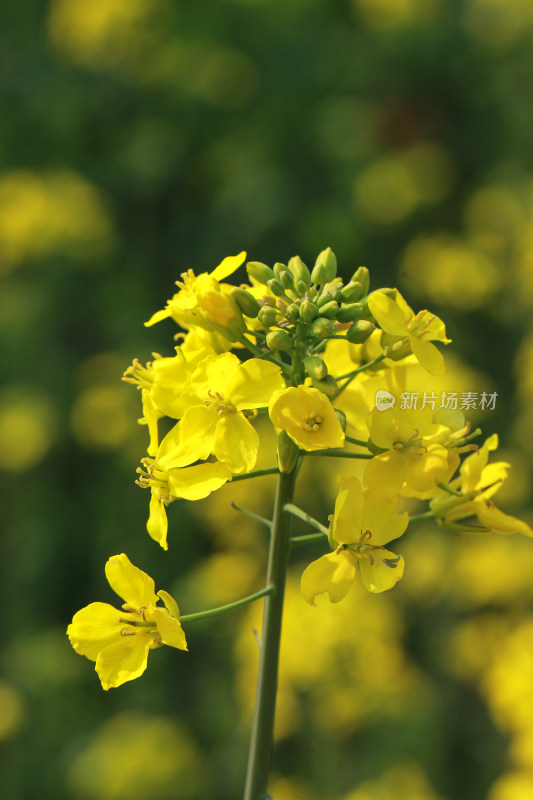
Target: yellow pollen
column 311, row 422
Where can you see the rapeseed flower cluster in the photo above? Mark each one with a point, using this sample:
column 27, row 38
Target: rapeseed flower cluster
column 309, row 352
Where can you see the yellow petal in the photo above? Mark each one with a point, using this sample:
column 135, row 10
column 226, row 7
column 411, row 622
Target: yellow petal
column 236, row 443
column 428, row 355
column 94, row 627
column 228, row 266
column 195, row 483
column 170, row 603
column 381, row 518
column 491, row 516
column 157, row 525
column 168, row 628
column 333, row 573
column 386, row 473
column 422, row 471
column 377, row 575
column 253, row 384
column 392, row 425
column 123, row 661
column 197, row 428
column 135, row 587
column 473, row 466
column 388, row 314
column 158, row 316
column 346, row 524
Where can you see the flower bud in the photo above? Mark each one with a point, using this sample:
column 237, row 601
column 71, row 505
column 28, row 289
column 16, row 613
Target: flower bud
column 276, row 287
column 349, row 312
column 288, row 452
column 293, row 312
column 286, row 279
column 398, row 349
column 278, row 340
column 327, row 386
column 352, row 292
column 341, row 416
column 362, row 276
column 325, row 266
column 329, row 310
column 322, row 328
column 278, row 268
column 308, row 311
column 360, row 331
column 268, row 316
column 300, row 273
column 315, row 367
column 259, row 271
column 301, row 287
column 325, row 297
column 246, row 302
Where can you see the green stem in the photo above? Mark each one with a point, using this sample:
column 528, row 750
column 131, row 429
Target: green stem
column 297, row 512
column 335, row 454
column 360, row 442
column 257, row 474
column 418, row 517
column 267, row 680
column 309, row 538
column 214, row 612
column 252, row 514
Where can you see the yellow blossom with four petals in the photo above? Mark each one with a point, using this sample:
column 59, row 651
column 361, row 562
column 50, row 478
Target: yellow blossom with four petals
column 398, row 319
column 363, row 522
column 308, row 417
column 119, row 641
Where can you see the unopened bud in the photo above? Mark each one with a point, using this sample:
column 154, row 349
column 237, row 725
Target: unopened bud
column 352, row 292
column 276, row 287
column 360, row 331
column 246, row 302
column 292, row 312
column 301, row 287
column 329, row 310
column 398, row 349
column 300, row 273
column 286, row 279
column 362, row 276
column 288, row 452
column 349, row 312
column 308, row 311
column 315, row 367
column 325, row 297
column 278, row 268
column 326, row 266
column 341, row 416
column 322, row 328
column 327, row 386
column 278, row 340
column 268, row 316
column 261, row 272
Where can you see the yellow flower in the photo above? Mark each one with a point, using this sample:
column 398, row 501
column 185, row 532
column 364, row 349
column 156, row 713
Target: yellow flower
column 398, row 319
column 363, row 522
column 420, row 450
column 308, row 417
column 119, row 641
column 166, row 387
column 203, row 301
column 216, row 421
column 188, row 482
column 478, row 481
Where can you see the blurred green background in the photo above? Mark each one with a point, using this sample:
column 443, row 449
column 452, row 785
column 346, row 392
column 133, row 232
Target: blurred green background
column 139, row 138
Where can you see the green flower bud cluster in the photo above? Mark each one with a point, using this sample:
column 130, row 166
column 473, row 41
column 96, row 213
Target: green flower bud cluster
column 308, row 305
